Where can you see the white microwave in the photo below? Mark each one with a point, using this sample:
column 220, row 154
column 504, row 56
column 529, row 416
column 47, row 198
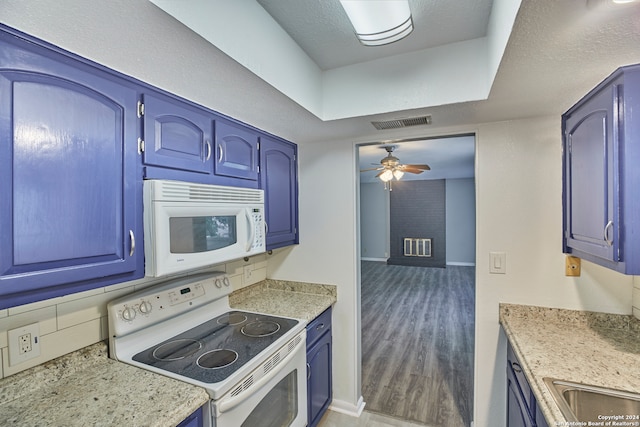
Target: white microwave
column 189, row 226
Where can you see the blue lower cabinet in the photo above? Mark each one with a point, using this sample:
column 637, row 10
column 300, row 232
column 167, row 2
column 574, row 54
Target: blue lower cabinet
column 522, row 408
column 319, row 382
column 193, row 420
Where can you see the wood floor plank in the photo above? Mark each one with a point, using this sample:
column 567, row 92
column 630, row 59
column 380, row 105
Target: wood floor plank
column 417, row 342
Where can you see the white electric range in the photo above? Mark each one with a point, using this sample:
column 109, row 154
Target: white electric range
column 253, row 365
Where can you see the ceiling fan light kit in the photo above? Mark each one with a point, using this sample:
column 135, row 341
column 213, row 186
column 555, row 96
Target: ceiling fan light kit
column 390, row 167
column 379, row 22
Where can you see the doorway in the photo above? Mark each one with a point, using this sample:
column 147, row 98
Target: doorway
column 417, row 317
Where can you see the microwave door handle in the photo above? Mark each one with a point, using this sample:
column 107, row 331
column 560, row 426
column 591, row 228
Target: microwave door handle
column 252, row 228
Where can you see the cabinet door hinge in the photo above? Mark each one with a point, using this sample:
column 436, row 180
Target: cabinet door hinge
column 140, row 109
column 140, row 145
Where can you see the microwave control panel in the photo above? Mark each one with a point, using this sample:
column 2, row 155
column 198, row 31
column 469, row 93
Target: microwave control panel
column 259, row 231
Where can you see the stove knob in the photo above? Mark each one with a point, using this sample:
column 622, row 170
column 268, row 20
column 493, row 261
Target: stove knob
column 218, row 283
column 145, row 307
column 128, row 314
column 226, row 281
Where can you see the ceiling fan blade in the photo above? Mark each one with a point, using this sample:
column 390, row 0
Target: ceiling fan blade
column 412, row 170
column 380, row 173
column 423, row 167
column 370, row 169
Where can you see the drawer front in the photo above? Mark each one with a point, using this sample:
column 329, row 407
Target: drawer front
column 318, row 326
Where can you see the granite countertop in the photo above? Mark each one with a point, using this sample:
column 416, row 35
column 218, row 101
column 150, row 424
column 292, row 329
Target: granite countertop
column 586, row 347
column 86, row 388
column 284, row 298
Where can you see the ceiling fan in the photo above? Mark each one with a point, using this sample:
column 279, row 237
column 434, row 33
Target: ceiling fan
column 390, row 166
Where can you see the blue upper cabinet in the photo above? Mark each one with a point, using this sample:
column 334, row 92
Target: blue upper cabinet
column 236, row 151
column 601, row 150
column 70, row 214
column 279, row 180
column 177, row 136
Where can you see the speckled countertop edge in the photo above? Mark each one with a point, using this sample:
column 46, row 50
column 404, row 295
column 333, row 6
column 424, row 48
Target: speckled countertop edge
column 87, row 388
column 586, row 347
column 298, row 300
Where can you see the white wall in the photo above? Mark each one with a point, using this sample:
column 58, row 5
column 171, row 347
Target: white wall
column 328, row 253
column 461, row 221
column 374, row 221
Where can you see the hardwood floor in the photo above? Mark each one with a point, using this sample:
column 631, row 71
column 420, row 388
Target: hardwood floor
column 417, row 342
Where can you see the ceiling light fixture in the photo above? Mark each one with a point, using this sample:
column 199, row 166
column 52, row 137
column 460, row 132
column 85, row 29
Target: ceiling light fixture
column 379, row 22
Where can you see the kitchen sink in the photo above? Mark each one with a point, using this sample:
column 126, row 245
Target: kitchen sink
column 582, row 402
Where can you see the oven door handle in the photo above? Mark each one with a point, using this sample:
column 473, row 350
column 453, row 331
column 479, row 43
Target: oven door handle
column 226, row 404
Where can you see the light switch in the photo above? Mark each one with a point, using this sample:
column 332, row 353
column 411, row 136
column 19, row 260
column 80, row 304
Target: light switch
column 497, row 262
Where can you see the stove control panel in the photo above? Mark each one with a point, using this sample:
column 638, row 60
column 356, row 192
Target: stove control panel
column 168, row 299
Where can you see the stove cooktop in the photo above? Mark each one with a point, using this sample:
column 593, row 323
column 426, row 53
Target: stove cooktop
column 215, row 349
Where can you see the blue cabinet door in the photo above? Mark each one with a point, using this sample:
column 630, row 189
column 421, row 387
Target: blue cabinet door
column 319, row 369
column 600, row 173
column 236, row 150
column 70, row 212
column 591, row 184
column 177, row 135
column 279, row 180
column 319, row 388
column 517, row 412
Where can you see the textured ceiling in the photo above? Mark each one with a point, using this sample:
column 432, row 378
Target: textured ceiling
column 322, row 30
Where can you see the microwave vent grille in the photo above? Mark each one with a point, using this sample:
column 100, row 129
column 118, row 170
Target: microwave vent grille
column 178, row 191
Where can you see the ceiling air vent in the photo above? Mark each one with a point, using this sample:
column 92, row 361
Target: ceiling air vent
column 402, row 123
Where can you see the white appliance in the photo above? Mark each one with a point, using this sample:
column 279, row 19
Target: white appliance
column 252, row 365
column 189, row 225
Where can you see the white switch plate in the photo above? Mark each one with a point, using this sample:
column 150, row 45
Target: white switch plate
column 497, row 262
column 24, row 343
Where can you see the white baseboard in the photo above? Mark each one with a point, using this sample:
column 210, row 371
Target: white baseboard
column 463, row 264
column 348, row 408
column 373, row 259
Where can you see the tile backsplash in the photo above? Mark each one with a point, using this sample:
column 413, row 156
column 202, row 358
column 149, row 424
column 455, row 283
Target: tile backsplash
column 75, row 321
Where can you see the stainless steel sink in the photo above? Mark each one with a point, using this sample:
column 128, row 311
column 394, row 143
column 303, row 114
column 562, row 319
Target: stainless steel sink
column 582, row 402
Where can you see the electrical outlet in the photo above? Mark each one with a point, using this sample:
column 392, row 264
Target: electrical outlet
column 24, row 344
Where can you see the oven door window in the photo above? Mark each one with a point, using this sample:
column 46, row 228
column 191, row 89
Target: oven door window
column 202, row 234
column 279, row 407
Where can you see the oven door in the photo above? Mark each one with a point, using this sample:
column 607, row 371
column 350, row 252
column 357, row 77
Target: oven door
column 279, row 399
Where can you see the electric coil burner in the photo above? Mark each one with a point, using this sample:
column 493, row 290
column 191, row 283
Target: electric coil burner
column 184, row 329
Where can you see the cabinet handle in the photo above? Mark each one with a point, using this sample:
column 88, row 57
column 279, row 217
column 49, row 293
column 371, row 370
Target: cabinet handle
column 606, row 233
column 220, row 151
column 308, row 371
column 133, row 243
column 516, row 367
column 208, row 145
column 320, row 326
